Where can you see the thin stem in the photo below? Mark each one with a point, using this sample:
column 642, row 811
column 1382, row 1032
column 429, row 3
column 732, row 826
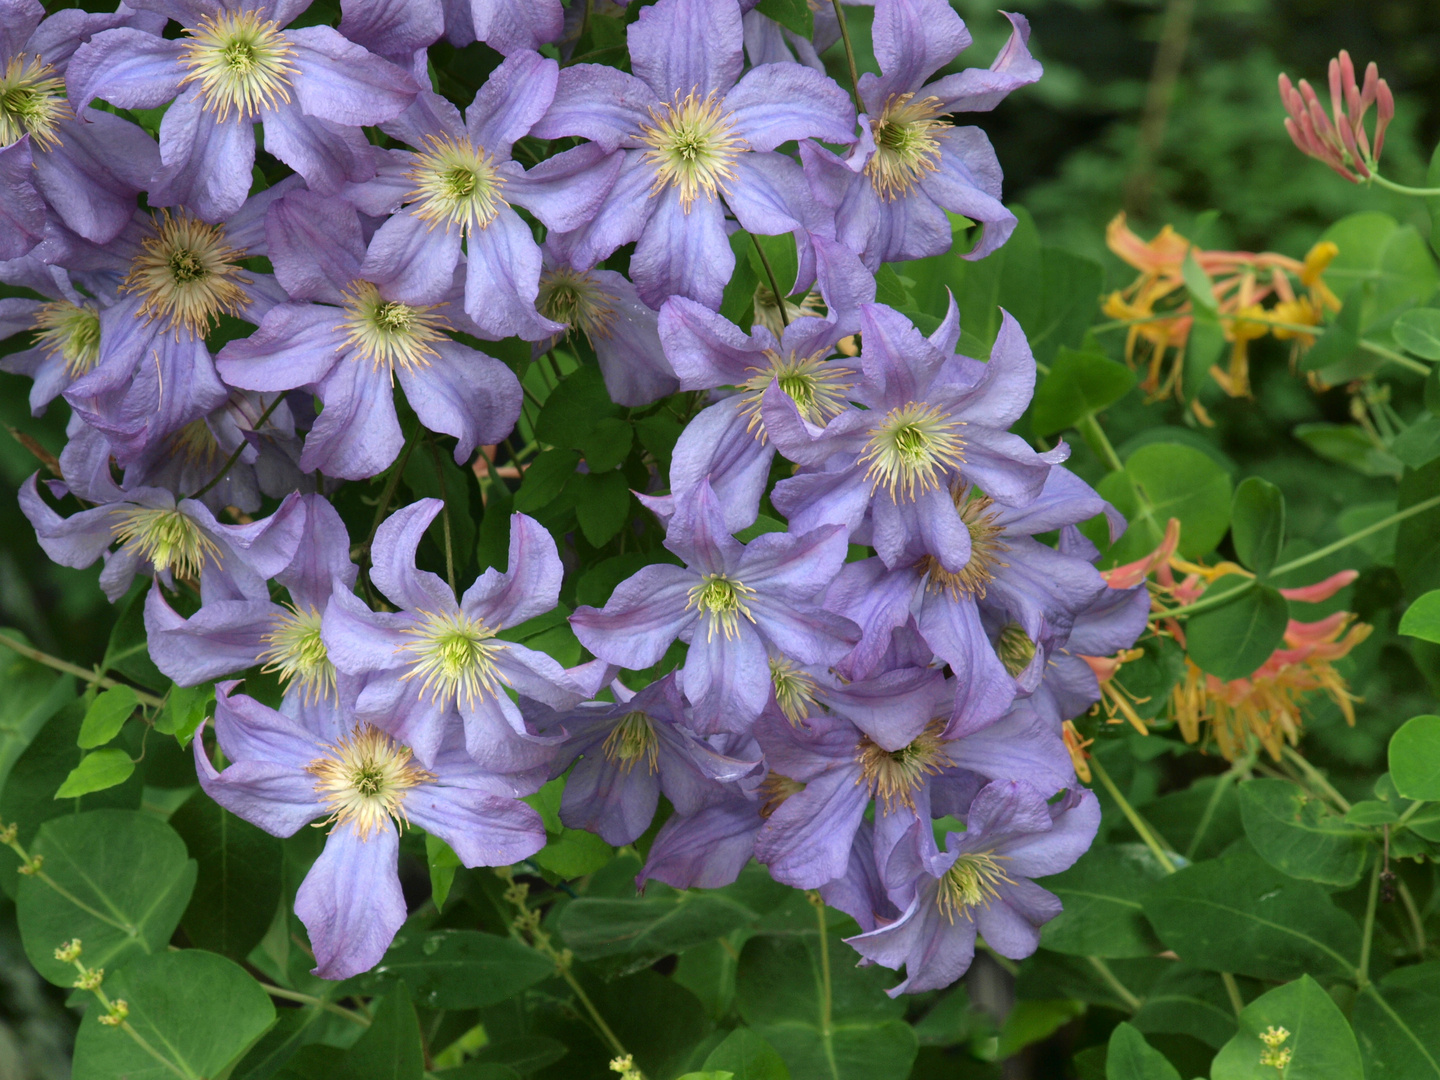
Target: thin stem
column 1207, row 602
column 1232, row 988
column 444, row 515
column 1169, row 58
column 1095, row 437
column 1345, row 541
column 774, row 282
column 849, row 56
column 1410, row 812
column 318, row 1002
column 826, row 997
column 1423, row 192
column 1362, row 974
column 90, row 676
column 1315, row 777
column 1132, row 1002
column 1139, row 824
column 391, row 483
column 235, row 455
column 1213, row 803
column 1395, row 357
column 1417, row 924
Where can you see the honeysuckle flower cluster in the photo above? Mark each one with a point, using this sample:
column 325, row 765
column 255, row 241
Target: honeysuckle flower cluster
column 245, row 340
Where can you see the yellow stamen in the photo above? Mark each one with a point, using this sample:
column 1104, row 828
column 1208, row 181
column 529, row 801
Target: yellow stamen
column 722, row 599
column 32, row 102
column 454, row 658
column 815, row 385
column 187, row 274
column 774, row 790
column 388, row 332
column 911, row 449
column 241, row 61
column 795, row 691
column 692, row 147
column 986, row 547
column 72, row 331
column 907, row 144
column 973, row 881
column 297, row 651
column 168, row 539
column 631, row 739
column 894, row 776
column 576, row 298
column 456, row 184
column 364, row 779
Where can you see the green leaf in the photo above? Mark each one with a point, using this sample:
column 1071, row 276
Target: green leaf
column 1257, row 523
column 759, row 527
column 1430, row 395
column 642, row 931
column 780, row 253
column 1371, row 812
column 456, row 969
column 1415, row 758
column 777, row 992
column 1130, row 1057
column 747, row 1056
column 1397, row 1024
column 602, row 505
column 492, row 539
column 792, row 14
column 185, row 708
column 98, row 770
column 1347, row 445
column 128, row 651
column 607, row 444
column 1419, row 444
column 1033, row 1020
column 658, row 434
column 1239, row 914
column 30, row 694
column 573, row 853
column 198, row 1010
column 1102, row 897
column 106, row 716
column 1232, row 640
column 1417, row 539
column 1299, row 835
column 892, row 289
column 1422, row 618
column 574, row 407
column 1163, row 480
column 1079, row 384
column 391, row 1048
column 1204, row 348
column 545, row 478
column 1069, row 285
column 239, row 881
column 1198, row 284
column 443, row 863
column 1320, row 1042
column 738, row 302
column 1418, row 331
column 1186, row 1001
column 125, row 878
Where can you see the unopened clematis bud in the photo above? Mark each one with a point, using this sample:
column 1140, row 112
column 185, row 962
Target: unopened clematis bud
column 1340, row 140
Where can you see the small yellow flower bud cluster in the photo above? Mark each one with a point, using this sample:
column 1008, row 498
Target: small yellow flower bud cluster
column 89, row 978
column 625, row 1066
column 69, row 952
column 1273, row 1055
column 115, row 1015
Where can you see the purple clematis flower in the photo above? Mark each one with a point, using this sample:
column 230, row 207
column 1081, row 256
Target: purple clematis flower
column 166, row 538
column 463, row 183
column 732, row 603
column 892, row 193
column 171, row 277
column 288, row 771
column 507, row 26
column 604, row 308
column 628, row 753
column 310, row 88
column 933, row 423
column 227, row 636
column 980, row 884
column 436, row 657
column 399, row 30
column 696, row 142
column 346, row 336
column 727, row 442
column 86, row 168
column 66, row 329
column 706, row 849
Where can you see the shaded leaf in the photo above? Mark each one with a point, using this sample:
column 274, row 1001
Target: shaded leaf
column 1319, row 1040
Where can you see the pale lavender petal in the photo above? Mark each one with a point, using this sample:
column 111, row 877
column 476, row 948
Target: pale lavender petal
column 967, row 181
column 91, row 181
column 726, row 678
column 316, row 248
column 392, row 27
column 684, row 253
column 913, row 39
column 393, row 555
column 769, row 195
column 76, row 541
column 705, row 348
column 796, row 565
column 951, row 626
column 357, row 434
column 935, row 952
column 512, row 100
column 602, row 104
column 566, row 190
column 698, row 534
column 205, row 163
column 502, row 280
column 605, row 798
column 340, row 81
column 322, row 557
column 620, row 220
column 219, row 639
column 351, row 903
column 680, row 46
column 530, row 585
column 464, row 393
column 510, row 25
column 981, row 89
column 295, row 345
column 643, row 616
column 718, row 446
column 775, row 103
column 127, row 67
column 22, row 210
column 806, row 841
column 484, row 830
column 249, row 731
column 328, row 154
column 705, row 850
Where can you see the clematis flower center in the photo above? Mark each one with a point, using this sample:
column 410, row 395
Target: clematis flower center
column 72, row 331
column 774, row 790
column 986, row 547
column 816, row 386
column 576, row 298
column 454, row 657
column 196, row 444
column 723, row 600
column 456, row 184
column 911, row 449
column 167, row 538
column 187, row 274
column 692, row 146
column 907, row 144
column 296, row 650
column 363, row 780
column 388, row 332
column 894, row 776
column 241, row 61
column 1015, row 648
column 630, row 740
column 973, row 881
column 794, row 689
column 32, row 102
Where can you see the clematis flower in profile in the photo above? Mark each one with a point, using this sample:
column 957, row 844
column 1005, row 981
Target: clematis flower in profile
column 734, row 604
column 287, row 771
column 462, row 184
column 698, row 139
column 86, row 168
column 436, row 662
column 932, row 423
column 166, row 538
column 66, row 330
column 626, row 753
column 350, row 339
column 232, row 67
column 912, row 167
column 980, row 884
